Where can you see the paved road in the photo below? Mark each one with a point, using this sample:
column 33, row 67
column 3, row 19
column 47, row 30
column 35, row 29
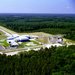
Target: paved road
column 16, row 51
column 6, row 33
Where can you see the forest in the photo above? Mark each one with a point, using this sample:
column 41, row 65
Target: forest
column 49, row 24
column 53, row 61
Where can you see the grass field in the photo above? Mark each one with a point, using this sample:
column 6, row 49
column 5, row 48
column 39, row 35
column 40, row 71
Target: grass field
column 2, row 35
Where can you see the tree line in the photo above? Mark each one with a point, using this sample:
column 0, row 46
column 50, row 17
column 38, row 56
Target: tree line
column 54, row 25
column 53, row 61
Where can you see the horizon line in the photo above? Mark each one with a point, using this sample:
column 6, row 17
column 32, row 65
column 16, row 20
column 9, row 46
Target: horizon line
column 36, row 13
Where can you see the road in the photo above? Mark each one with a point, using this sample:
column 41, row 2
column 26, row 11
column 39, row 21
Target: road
column 7, row 34
column 6, row 31
column 16, row 51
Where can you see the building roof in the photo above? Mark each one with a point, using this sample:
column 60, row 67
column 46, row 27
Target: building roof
column 14, row 43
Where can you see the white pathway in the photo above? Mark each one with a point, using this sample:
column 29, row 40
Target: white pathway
column 6, row 33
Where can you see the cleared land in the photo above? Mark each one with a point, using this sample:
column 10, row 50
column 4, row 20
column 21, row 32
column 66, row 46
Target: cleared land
column 7, row 30
column 43, row 39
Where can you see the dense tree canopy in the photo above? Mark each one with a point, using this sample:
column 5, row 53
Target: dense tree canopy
column 53, row 61
column 48, row 24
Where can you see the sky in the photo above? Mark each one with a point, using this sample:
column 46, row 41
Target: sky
column 37, row 6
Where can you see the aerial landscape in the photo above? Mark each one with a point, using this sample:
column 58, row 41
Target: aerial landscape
column 37, row 37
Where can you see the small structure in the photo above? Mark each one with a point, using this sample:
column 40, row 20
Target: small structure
column 22, row 38
column 15, row 39
column 13, row 44
column 60, row 40
column 56, row 39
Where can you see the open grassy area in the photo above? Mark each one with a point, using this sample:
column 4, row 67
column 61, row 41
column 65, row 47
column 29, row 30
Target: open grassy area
column 31, row 43
column 68, row 40
column 35, row 33
column 42, row 37
column 2, row 35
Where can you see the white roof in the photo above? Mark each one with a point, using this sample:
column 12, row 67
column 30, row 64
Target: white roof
column 14, row 43
column 10, row 41
column 21, row 37
column 9, row 37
